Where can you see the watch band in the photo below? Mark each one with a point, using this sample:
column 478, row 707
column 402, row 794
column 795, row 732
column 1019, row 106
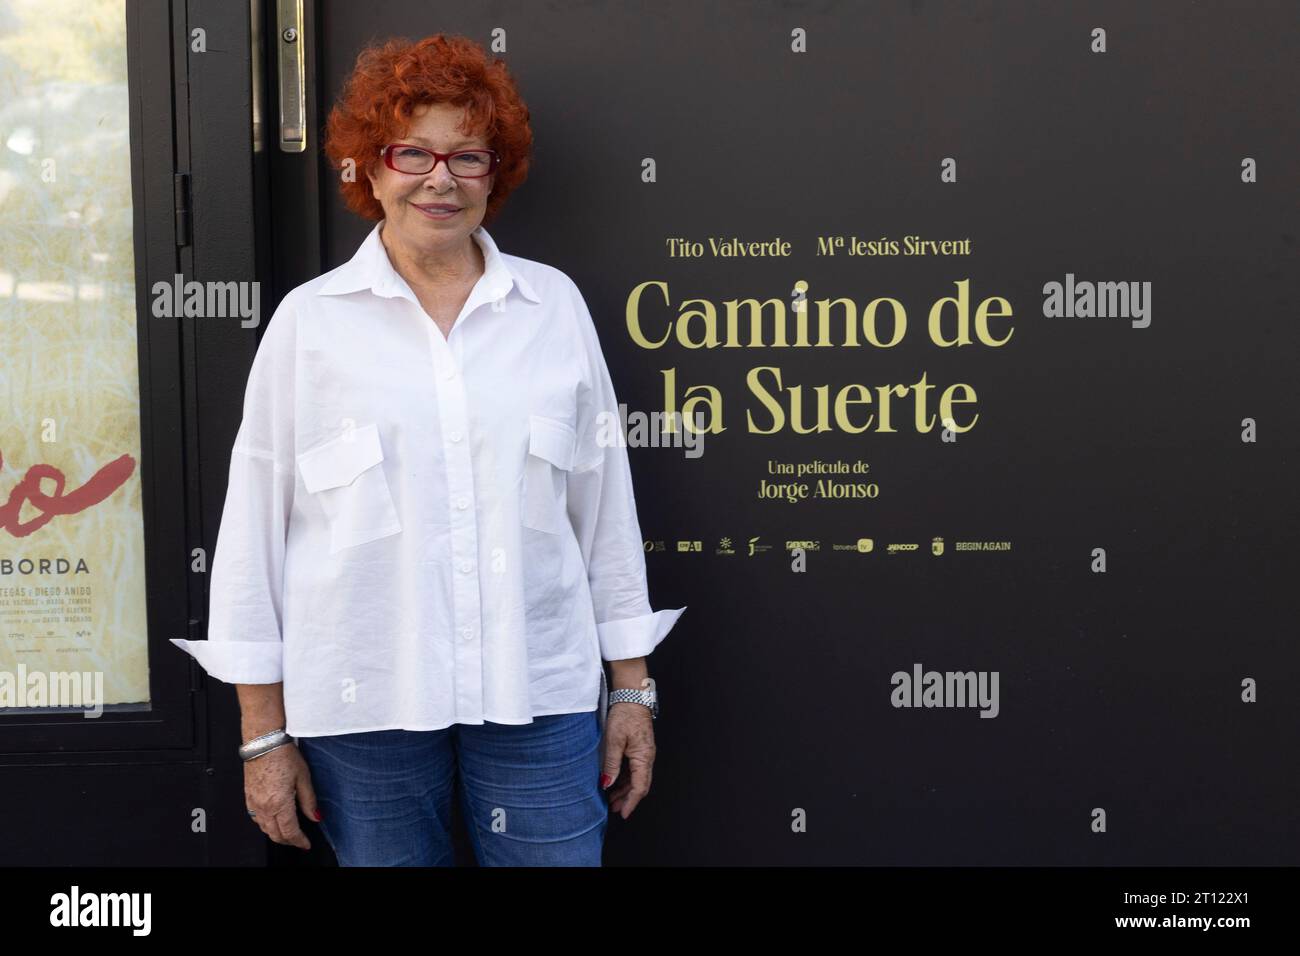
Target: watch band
column 646, row 698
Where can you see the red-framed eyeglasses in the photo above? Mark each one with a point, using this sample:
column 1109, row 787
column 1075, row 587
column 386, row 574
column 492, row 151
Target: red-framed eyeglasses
column 417, row 161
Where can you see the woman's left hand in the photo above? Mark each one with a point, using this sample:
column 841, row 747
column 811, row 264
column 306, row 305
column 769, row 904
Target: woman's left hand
column 630, row 733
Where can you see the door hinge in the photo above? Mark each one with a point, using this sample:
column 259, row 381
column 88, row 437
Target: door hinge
column 182, row 191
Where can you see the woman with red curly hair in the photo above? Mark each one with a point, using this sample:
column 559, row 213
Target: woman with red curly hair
column 429, row 541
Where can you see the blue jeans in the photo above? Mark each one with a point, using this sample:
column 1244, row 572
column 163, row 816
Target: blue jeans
column 530, row 793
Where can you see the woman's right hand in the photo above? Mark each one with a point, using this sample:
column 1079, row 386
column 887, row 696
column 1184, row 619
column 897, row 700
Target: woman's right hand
column 274, row 784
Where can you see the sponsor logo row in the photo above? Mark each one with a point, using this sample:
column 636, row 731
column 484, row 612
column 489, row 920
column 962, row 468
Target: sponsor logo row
column 756, row 545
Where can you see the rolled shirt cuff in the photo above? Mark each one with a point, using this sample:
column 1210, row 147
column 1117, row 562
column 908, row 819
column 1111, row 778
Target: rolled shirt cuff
column 238, row 662
column 635, row 636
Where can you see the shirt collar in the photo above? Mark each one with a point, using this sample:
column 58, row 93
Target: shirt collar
column 371, row 269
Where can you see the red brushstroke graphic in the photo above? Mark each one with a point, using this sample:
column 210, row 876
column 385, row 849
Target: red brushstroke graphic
column 101, row 484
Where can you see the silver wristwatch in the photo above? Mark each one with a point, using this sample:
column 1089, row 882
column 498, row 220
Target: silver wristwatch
column 648, row 698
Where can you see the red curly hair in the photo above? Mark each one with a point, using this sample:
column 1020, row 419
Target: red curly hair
column 391, row 79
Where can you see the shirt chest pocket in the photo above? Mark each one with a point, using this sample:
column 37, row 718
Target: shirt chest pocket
column 346, row 475
column 552, row 445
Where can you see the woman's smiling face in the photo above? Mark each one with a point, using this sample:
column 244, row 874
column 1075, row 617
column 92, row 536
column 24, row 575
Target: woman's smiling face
column 409, row 200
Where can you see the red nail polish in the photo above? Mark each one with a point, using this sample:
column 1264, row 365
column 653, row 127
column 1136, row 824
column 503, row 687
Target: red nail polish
column 318, row 815
column 605, row 781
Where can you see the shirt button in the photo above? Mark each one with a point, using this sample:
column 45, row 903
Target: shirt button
column 462, row 502
column 454, row 436
column 466, row 633
column 450, row 373
column 466, row 566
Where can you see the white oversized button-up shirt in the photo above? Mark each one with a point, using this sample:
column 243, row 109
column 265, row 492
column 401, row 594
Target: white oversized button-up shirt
column 423, row 530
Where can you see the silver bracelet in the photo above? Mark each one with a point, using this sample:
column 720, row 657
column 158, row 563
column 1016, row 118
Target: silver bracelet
column 264, row 744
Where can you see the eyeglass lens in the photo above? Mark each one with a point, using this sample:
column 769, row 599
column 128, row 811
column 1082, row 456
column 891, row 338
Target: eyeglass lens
column 469, row 163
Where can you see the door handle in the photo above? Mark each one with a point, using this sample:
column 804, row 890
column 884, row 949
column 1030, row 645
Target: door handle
column 290, row 47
